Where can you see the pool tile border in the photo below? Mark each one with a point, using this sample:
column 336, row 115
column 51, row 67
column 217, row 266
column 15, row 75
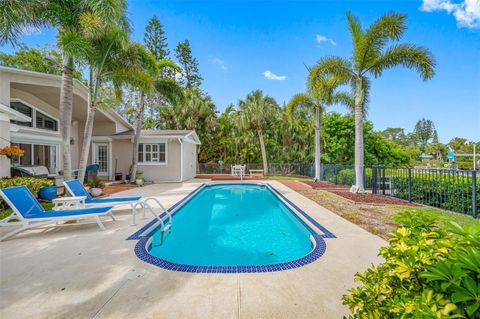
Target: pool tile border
column 319, row 249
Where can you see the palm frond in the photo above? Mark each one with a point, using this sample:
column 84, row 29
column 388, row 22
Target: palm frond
column 409, row 56
column 74, row 44
column 300, row 100
column 18, row 17
column 170, row 90
column 356, row 30
column 390, row 26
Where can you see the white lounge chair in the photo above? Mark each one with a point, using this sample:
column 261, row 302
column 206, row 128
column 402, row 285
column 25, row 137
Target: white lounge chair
column 29, row 213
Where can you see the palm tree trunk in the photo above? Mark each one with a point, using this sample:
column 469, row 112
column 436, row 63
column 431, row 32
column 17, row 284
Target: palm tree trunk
column 359, row 153
column 136, row 139
column 87, row 135
column 317, row 144
column 66, row 97
column 264, row 152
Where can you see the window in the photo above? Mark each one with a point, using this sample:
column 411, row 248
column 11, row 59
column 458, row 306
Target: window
column 25, row 110
column 39, row 119
column 152, row 153
column 45, row 122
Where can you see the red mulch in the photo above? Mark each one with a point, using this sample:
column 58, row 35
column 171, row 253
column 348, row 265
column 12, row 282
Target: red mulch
column 325, row 185
column 371, row 198
column 296, row 185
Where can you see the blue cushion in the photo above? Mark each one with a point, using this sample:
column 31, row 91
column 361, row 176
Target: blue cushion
column 29, row 207
column 78, row 190
column 23, row 200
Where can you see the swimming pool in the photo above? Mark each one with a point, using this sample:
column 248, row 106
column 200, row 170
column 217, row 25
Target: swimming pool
column 232, row 228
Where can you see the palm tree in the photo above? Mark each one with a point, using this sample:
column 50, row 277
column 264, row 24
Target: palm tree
column 70, row 19
column 371, row 56
column 255, row 112
column 151, row 81
column 320, row 93
column 111, row 58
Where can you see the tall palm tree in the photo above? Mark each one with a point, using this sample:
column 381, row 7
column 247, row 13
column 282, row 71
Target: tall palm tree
column 70, row 18
column 320, row 94
column 152, row 80
column 111, row 58
column 255, row 112
column 372, row 55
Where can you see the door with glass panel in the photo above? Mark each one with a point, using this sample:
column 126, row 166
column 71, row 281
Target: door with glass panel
column 101, row 157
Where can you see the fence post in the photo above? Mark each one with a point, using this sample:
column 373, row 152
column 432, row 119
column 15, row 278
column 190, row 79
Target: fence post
column 383, row 180
column 474, row 193
column 374, row 179
column 410, row 184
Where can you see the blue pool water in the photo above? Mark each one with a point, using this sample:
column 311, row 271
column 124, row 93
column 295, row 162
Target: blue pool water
column 233, row 225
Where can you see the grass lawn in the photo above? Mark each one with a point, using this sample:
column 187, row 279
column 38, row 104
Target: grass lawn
column 291, row 178
column 378, row 219
column 441, row 216
column 4, row 213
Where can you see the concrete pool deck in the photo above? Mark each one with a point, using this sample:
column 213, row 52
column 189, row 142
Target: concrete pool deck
column 78, row 271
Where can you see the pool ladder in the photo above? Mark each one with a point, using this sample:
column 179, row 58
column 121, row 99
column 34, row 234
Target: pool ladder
column 165, row 227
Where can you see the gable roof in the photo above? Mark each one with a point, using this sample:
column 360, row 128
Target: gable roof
column 79, row 89
column 184, row 134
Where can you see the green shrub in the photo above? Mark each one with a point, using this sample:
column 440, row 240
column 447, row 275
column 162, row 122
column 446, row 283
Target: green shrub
column 346, row 177
column 429, row 272
column 33, row 184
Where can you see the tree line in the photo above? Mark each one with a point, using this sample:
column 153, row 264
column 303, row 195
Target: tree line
column 142, row 81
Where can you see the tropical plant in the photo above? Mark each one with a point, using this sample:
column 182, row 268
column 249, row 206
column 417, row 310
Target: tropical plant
column 111, row 58
column 96, row 183
column 371, row 57
column 320, row 93
column 151, row 81
column 72, row 20
column 255, row 111
column 429, row 272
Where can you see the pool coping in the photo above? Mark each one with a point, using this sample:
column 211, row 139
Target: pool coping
column 318, row 241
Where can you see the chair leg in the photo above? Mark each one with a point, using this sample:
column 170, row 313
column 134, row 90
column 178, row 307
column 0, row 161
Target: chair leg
column 13, row 233
column 99, row 222
column 111, row 215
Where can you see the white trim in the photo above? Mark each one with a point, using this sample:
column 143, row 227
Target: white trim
column 13, row 114
column 34, row 117
column 181, row 159
column 33, row 138
column 94, row 155
column 155, row 163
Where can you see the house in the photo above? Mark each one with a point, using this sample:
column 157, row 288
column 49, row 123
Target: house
column 29, row 118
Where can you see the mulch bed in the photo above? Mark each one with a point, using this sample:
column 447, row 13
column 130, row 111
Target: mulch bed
column 325, row 185
column 371, row 198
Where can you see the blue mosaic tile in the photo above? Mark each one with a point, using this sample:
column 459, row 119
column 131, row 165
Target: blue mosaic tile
column 319, row 248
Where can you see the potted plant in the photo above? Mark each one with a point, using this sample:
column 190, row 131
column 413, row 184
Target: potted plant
column 48, row 190
column 96, row 187
column 139, row 179
column 11, row 152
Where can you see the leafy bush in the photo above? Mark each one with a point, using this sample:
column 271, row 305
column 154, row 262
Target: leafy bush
column 346, row 177
column 96, row 183
column 429, row 272
column 33, row 184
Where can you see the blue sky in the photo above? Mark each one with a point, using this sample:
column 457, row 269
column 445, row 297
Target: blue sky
column 247, row 45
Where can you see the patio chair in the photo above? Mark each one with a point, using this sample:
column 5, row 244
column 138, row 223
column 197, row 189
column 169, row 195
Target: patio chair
column 31, row 214
column 76, row 188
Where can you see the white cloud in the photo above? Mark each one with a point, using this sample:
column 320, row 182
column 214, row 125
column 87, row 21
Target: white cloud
column 321, row 38
column 220, row 63
column 272, row 76
column 466, row 12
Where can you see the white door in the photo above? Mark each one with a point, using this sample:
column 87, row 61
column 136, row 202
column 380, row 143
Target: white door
column 101, row 157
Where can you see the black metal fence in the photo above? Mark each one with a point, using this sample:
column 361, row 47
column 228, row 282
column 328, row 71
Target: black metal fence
column 449, row 189
column 453, row 190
